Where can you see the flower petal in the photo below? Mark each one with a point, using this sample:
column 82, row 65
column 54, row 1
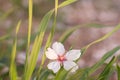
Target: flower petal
column 54, row 66
column 59, row 48
column 74, row 68
column 69, row 65
column 50, row 54
column 73, row 55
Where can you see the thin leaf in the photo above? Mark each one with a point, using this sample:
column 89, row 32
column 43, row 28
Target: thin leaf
column 47, row 17
column 6, row 14
column 67, row 33
column 18, row 27
column 80, row 74
column 30, row 21
column 35, row 51
column 64, row 37
column 44, row 75
column 32, row 61
column 101, row 39
column 105, row 74
column 67, row 2
column 85, row 74
column 13, row 72
column 49, row 41
column 8, row 34
column 61, row 75
column 118, row 72
column 30, row 9
column 4, row 37
column 50, row 37
column 103, row 59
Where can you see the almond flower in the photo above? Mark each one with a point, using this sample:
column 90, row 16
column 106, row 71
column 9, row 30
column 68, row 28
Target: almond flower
column 61, row 58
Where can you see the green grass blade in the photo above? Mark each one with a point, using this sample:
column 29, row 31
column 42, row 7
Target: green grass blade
column 48, row 43
column 30, row 21
column 4, row 37
column 64, row 37
column 32, row 60
column 34, row 53
column 67, row 33
column 67, row 2
column 105, row 74
column 6, row 14
column 101, row 39
column 30, row 9
column 8, row 34
column 1, row 79
column 61, row 75
column 44, row 21
column 85, row 74
column 118, row 72
column 80, row 74
column 38, row 42
column 103, row 59
column 13, row 72
column 18, row 27
column 47, row 17
column 44, row 75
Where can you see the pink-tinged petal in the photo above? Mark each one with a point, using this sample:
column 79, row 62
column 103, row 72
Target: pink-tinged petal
column 73, row 55
column 50, row 54
column 68, row 65
column 74, row 68
column 59, row 48
column 54, row 66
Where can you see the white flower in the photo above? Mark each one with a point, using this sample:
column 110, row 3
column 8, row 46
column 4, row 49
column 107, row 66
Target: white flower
column 57, row 54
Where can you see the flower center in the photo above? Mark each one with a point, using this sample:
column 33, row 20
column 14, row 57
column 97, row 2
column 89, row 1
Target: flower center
column 61, row 58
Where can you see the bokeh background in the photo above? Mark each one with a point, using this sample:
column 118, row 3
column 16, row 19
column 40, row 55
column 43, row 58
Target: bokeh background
column 103, row 12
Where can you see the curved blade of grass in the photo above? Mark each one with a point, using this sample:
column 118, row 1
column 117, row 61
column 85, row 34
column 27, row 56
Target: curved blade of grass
column 105, row 74
column 44, row 21
column 4, row 37
column 81, row 74
column 118, row 72
column 44, row 75
column 70, row 31
column 32, row 61
column 67, row 2
column 30, row 9
column 38, row 42
column 13, row 72
column 30, row 21
column 8, row 33
column 67, row 33
column 101, row 39
column 50, row 37
column 103, row 59
column 85, row 74
column 48, row 43
column 53, row 29
column 35, row 51
column 61, row 75
column 6, row 14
